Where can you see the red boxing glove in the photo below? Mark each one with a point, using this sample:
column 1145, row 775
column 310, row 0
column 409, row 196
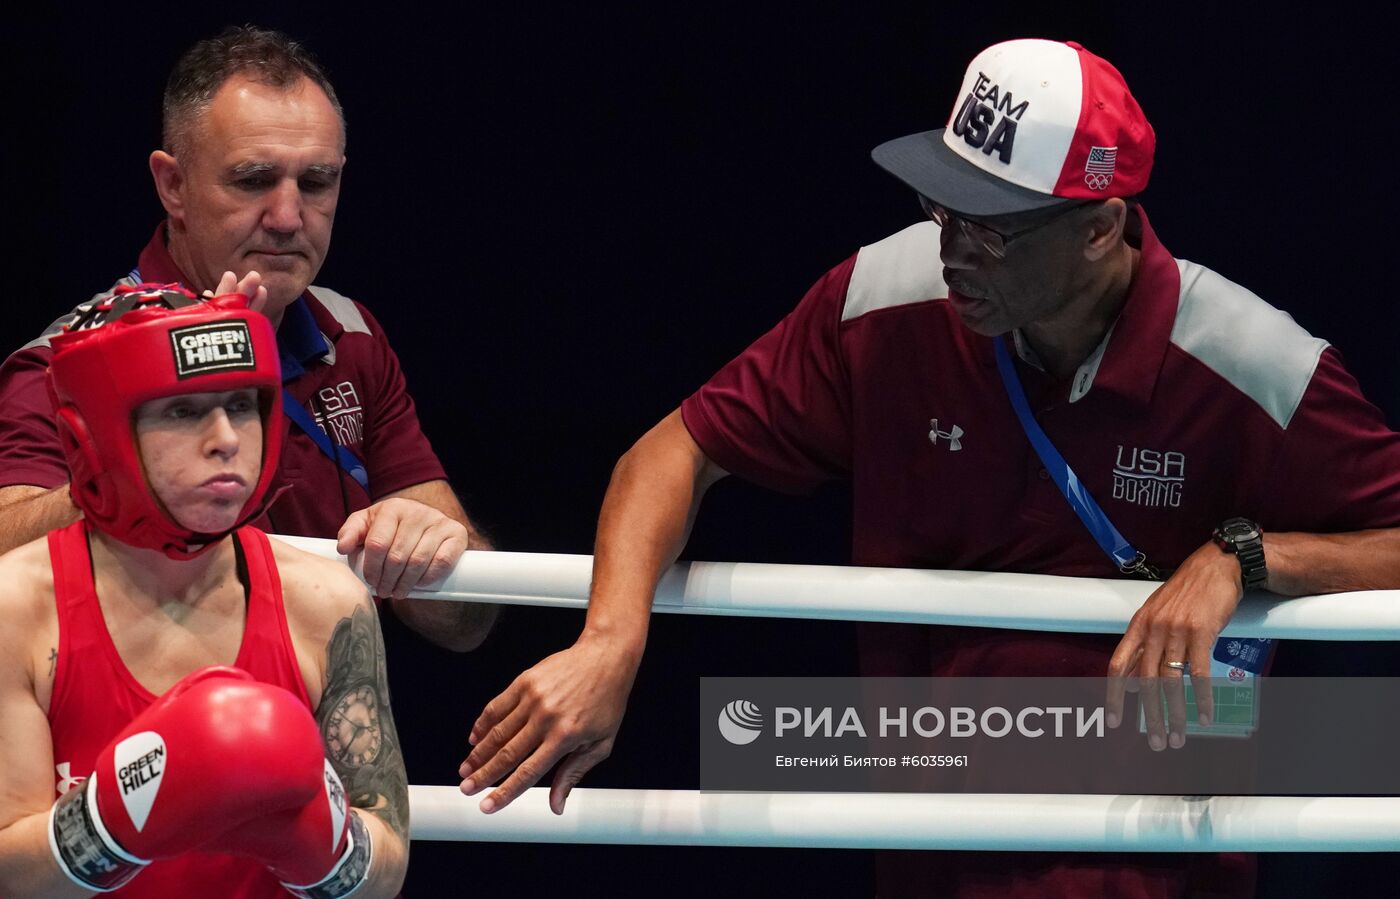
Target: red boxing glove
column 320, row 850
column 217, row 752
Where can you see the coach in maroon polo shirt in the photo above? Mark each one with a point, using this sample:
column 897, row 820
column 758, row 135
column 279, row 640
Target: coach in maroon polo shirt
column 254, row 145
column 1181, row 400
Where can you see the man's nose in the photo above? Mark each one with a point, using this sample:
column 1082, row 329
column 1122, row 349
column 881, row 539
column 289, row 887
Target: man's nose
column 283, row 212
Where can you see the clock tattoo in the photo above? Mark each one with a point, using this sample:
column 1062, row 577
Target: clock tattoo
column 356, row 723
column 352, row 731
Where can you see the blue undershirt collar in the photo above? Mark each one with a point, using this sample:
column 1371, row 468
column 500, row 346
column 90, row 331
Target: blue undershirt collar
column 299, row 341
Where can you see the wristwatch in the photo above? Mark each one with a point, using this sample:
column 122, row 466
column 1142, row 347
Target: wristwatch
column 1245, row 539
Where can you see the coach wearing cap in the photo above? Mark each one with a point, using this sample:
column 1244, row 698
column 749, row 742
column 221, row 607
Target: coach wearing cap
column 1195, row 414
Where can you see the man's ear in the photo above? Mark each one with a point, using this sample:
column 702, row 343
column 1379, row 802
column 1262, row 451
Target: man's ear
column 170, row 183
column 1105, row 226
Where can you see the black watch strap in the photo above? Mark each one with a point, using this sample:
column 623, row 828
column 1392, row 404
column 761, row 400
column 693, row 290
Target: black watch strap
column 1245, row 539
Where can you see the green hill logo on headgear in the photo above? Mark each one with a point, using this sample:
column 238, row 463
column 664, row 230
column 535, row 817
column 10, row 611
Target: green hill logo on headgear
column 218, row 346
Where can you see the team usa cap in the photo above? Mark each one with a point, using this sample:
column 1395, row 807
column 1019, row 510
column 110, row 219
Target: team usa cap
column 1037, row 123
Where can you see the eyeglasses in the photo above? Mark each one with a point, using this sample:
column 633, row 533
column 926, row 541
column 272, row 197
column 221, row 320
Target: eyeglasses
column 990, row 239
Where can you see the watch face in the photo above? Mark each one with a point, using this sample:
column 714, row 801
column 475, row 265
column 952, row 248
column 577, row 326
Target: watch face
column 1238, row 529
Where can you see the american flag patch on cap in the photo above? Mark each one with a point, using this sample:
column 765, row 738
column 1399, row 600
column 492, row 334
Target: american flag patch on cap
column 1098, row 168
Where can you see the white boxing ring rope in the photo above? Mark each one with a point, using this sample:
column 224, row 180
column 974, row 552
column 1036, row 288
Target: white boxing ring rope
column 1063, row 823
column 971, row 598
column 1088, row 823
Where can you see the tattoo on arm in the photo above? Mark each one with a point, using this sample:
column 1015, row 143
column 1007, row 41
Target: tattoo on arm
column 357, row 724
column 53, row 661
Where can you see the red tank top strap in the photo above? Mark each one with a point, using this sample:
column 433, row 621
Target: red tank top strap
column 267, row 640
column 84, row 643
column 72, row 566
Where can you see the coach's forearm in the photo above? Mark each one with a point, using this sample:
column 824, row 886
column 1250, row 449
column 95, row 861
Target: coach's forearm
column 646, row 518
column 458, row 626
column 27, row 513
column 1308, row 564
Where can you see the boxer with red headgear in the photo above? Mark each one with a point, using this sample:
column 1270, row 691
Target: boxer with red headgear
column 160, row 342
column 191, row 708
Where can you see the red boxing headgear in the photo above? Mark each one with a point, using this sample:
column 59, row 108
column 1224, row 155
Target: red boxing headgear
column 145, row 343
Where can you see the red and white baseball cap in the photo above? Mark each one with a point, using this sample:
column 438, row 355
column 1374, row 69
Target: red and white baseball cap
column 1037, row 123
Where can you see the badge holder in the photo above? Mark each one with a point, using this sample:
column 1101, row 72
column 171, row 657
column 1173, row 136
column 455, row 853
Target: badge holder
column 1236, row 693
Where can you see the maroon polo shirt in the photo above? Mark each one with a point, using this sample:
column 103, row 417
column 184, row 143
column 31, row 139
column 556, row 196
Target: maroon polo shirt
column 1202, row 403
column 355, row 391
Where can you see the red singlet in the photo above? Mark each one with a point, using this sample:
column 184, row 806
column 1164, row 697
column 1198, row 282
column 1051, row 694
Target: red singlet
column 95, row 696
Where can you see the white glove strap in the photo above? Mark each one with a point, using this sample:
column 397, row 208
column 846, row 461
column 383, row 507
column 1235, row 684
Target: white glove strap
column 84, row 850
column 349, row 873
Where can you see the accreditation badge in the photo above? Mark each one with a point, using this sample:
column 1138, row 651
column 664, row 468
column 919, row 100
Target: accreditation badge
column 1236, row 693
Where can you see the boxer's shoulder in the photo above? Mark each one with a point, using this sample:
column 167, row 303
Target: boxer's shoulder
column 28, row 615
column 308, row 573
column 27, row 576
column 316, row 592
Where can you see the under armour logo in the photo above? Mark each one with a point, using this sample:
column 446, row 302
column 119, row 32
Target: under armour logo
column 953, row 435
column 66, row 780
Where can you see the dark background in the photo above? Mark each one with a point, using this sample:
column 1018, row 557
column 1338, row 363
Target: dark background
column 567, row 217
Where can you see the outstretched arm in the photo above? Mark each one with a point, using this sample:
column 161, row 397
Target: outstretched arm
column 567, row 709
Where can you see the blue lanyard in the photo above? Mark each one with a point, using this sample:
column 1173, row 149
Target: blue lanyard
column 1128, row 559
column 348, row 461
